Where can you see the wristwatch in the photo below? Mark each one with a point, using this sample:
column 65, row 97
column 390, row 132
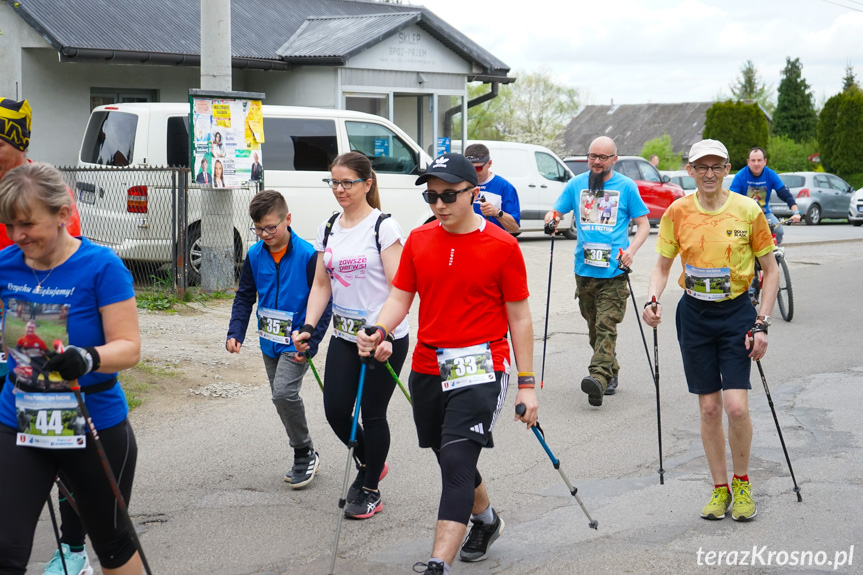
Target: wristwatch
column 499, row 214
column 765, row 318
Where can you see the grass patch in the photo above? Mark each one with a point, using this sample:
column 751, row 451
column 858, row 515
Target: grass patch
column 139, row 381
column 163, row 297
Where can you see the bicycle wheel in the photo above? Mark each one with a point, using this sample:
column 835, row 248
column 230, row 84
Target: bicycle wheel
column 785, row 295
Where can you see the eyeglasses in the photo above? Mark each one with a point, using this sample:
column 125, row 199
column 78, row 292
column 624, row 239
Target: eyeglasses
column 701, row 169
column 600, row 157
column 446, row 197
column 481, row 166
column 269, row 230
column 346, row 184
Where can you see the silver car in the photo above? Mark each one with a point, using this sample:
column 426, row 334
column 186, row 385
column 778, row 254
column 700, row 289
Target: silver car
column 819, row 195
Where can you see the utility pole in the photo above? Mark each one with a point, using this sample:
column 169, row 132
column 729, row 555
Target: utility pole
column 217, row 229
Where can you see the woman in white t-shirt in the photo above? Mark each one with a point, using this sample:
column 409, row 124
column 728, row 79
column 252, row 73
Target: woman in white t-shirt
column 358, row 254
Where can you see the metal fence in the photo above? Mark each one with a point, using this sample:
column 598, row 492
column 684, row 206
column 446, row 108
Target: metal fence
column 152, row 218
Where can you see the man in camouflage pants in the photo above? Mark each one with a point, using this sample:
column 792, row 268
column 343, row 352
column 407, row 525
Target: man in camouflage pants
column 601, row 288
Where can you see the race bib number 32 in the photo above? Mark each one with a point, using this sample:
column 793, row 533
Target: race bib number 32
column 347, row 322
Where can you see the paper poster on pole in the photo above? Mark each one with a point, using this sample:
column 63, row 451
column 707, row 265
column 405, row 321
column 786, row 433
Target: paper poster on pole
column 227, row 137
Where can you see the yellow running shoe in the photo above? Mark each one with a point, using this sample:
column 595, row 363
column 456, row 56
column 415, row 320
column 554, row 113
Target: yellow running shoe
column 719, row 503
column 744, row 507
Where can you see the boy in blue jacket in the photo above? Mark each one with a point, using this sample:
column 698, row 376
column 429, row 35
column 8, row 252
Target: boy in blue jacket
column 279, row 271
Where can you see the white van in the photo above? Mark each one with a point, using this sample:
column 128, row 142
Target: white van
column 300, row 143
column 538, row 175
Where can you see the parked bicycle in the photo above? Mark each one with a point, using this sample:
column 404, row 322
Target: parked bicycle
column 785, row 297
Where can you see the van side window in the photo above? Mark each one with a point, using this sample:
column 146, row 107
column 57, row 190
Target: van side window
column 627, row 168
column 109, row 139
column 387, row 152
column 299, row 144
column 549, row 168
column 177, row 147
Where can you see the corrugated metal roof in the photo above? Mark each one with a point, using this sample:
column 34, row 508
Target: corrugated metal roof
column 259, row 28
column 325, row 36
column 631, row 125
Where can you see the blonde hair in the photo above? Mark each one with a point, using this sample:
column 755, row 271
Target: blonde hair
column 31, row 184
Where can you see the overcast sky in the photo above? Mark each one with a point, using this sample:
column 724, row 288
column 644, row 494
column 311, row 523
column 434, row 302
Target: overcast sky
column 664, row 50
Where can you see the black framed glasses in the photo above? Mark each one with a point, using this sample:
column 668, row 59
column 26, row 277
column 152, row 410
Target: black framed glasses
column 701, row 169
column 269, row 230
column 600, row 157
column 346, row 184
column 447, row 197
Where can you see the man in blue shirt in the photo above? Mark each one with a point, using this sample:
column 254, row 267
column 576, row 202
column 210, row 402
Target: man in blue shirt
column 756, row 180
column 497, row 200
column 603, row 242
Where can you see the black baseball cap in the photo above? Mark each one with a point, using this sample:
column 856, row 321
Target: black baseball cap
column 451, row 168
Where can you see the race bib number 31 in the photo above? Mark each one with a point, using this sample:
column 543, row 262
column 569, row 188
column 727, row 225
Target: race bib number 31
column 463, row 366
column 49, row 421
column 275, row 325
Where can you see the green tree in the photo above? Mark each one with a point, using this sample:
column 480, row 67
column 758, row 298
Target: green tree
column 750, row 87
column 739, row 126
column 849, row 82
column 827, row 131
column 848, row 144
column 535, row 110
column 663, row 148
column 786, row 155
column 795, row 110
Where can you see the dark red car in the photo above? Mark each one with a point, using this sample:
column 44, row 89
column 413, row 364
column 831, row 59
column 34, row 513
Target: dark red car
column 656, row 190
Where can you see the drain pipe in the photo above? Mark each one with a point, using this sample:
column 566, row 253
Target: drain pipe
column 447, row 117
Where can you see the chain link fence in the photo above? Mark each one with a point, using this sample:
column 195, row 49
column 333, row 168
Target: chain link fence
column 152, row 218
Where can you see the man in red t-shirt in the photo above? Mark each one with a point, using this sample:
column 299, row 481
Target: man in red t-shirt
column 15, row 119
column 472, row 284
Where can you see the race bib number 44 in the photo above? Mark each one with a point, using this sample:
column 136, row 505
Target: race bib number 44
column 275, row 325
column 49, row 421
column 463, row 366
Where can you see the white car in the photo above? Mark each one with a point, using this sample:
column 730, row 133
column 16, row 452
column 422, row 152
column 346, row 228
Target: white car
column 682, row 179
column 855, row 210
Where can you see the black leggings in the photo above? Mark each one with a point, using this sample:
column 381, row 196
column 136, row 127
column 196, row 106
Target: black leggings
column 71, row 529
column 27, row 475
column 457, row 457
column 341, row 381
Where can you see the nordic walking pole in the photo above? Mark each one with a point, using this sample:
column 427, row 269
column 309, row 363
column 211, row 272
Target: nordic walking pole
column 548, row 229
column 653, row 374
column 315, row 371
column 656, row 381
column 351, row 445
column 121, row 504
column 396, row 377
column 776, row 420
column 537, row 430
column 67, row 495
column 57, row 534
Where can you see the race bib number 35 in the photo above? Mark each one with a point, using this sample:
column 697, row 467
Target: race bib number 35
column 275, row 325
column 49, row 421
column 463, row 366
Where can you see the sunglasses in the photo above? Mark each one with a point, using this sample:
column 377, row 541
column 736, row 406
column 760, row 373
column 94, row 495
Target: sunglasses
column 447, row 197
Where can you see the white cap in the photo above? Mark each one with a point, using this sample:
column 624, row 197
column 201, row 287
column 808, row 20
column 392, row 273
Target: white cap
column 707, row 148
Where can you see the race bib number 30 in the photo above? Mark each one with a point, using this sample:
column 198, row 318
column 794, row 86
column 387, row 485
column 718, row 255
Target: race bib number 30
column 708, row 284
column 597, row 255
column 275, row 325
column 347, row 322
column 49, row 421
column 463, row 366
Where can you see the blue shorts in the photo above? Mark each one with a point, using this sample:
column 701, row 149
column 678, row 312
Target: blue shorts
column 712, row 341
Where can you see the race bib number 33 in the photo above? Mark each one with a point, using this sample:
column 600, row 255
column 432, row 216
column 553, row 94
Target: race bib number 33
column 463, row 366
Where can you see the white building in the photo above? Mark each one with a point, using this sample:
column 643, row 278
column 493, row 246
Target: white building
column 401, row 62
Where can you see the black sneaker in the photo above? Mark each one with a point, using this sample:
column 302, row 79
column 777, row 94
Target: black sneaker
column 360, row 480
column 612, row 386
column 593, row 389
column 431, row 568
column 366, row 504
column 480, row 538
column 305, row 467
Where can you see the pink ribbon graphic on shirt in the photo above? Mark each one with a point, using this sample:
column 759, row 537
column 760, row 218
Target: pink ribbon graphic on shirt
column 330, row 270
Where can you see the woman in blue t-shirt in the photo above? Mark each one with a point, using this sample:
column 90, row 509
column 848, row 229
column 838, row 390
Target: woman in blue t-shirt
column 86, row 315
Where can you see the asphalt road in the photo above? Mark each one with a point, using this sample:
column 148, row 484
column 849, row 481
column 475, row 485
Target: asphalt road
column 209, row 496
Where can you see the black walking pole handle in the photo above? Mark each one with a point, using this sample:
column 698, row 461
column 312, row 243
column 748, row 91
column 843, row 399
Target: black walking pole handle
column 549, row 228
column 620, row 266
column 370, row 331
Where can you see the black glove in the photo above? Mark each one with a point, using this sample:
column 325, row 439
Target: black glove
column 74, row 362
